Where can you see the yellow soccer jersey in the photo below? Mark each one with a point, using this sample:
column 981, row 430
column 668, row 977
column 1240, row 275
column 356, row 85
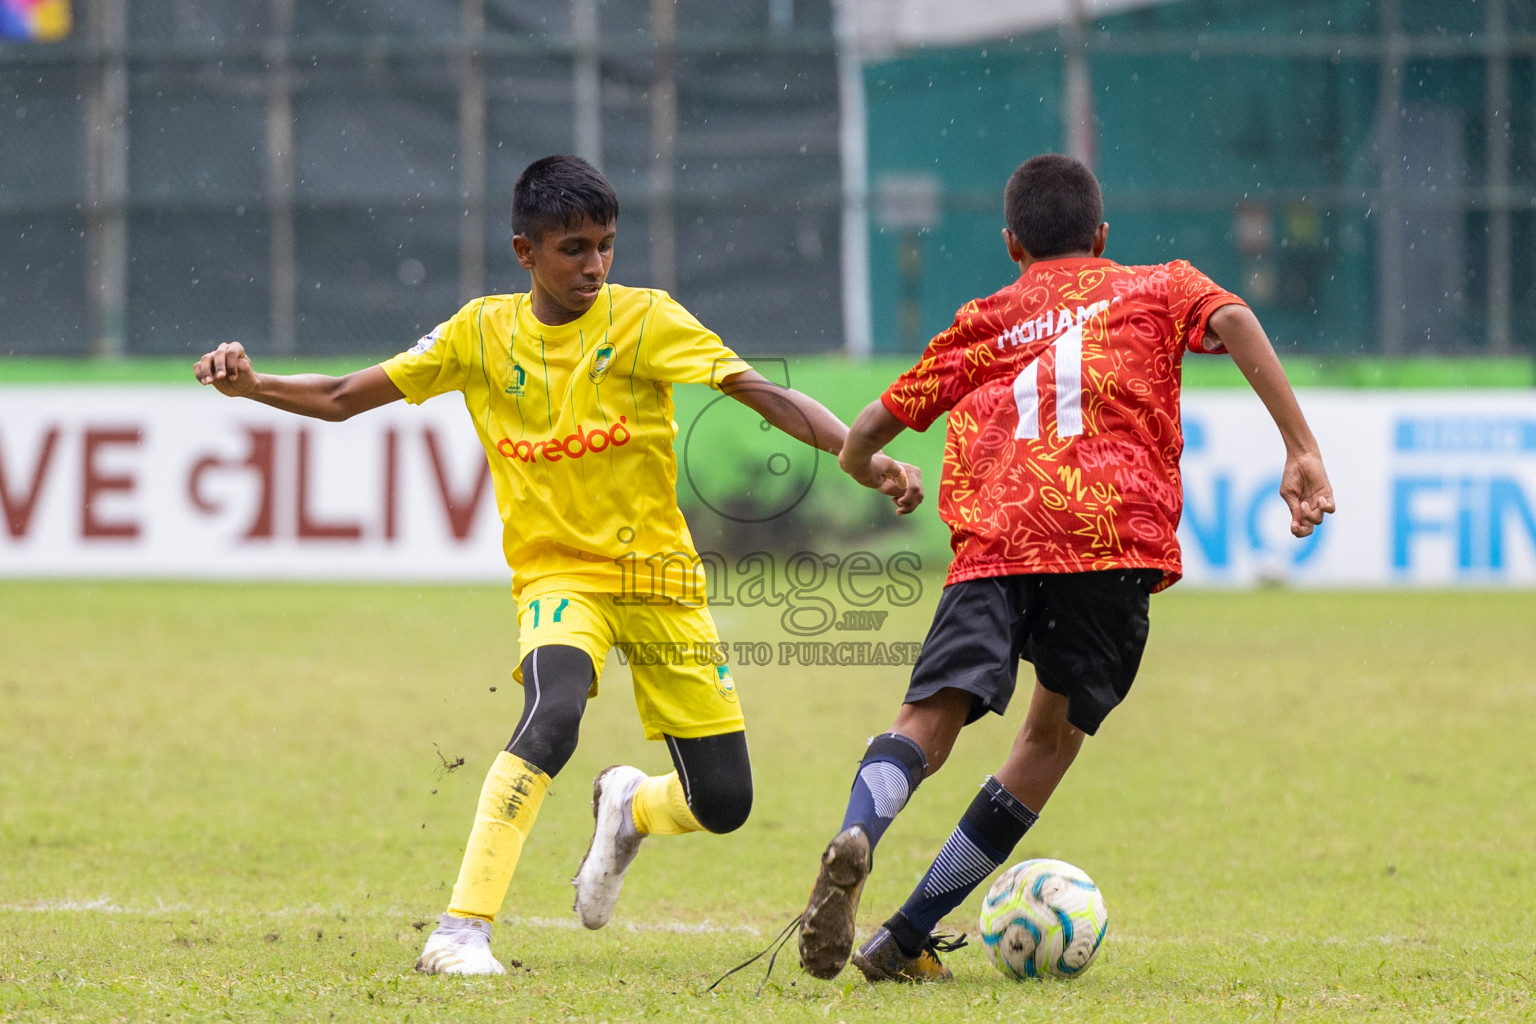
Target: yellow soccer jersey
column 577, row 424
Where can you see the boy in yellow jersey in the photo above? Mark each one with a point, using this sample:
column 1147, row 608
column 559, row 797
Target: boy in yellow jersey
column 569, row 386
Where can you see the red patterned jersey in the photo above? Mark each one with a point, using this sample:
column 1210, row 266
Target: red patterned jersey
column 1062, row 390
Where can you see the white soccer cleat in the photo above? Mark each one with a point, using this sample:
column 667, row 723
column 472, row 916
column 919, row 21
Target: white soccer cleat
column 614, row 844
column 459, row 945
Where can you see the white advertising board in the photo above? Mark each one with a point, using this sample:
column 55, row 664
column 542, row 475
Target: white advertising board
column 1435, row 488
column 120, row 481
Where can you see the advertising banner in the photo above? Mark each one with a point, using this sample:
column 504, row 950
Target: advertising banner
column 1434, row 488
column 121, row 481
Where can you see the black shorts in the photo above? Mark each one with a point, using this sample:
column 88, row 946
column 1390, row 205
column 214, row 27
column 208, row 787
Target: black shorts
column 1084, row 632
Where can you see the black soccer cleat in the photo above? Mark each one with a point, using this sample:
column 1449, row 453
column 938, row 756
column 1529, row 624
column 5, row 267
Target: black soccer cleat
column 827, row 926
column 880, row 959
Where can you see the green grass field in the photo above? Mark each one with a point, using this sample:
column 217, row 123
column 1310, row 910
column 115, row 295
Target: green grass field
column 235, row 803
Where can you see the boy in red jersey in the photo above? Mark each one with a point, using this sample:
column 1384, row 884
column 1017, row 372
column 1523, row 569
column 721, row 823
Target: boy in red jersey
column 1061, row 489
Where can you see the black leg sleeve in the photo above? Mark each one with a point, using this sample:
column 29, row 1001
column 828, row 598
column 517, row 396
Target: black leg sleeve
column 717, row 778
column 555, row 684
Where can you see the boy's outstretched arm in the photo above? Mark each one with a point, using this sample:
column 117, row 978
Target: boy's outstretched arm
column 805, row 419
column 1304, row 482
column 874, row 428
column 229, row 370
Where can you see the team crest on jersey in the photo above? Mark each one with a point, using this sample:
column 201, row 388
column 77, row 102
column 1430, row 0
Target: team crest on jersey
column 599, row 371
column 517, row 378
column 725, row 684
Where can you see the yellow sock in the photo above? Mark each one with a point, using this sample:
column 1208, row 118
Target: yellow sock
column 661, row 808
column 509, row 801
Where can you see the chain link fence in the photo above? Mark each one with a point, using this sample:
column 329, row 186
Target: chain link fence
column 336, row 178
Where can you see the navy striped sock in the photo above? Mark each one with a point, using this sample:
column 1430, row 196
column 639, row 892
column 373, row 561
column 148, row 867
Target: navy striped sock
column 892, row 768
column 988, row 831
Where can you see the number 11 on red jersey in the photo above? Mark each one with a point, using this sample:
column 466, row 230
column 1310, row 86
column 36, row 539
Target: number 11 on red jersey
column 1067, row 349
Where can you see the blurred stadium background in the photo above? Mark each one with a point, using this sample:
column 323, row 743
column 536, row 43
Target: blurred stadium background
column 325, row 178
column 820, row 181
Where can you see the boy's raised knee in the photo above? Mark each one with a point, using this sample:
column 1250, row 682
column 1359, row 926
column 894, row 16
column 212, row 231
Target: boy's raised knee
column 723, row 806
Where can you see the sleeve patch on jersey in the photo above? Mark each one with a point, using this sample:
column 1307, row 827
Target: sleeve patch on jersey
column 428, row 340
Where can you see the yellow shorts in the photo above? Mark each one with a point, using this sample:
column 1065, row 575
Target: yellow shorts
column 683, row 686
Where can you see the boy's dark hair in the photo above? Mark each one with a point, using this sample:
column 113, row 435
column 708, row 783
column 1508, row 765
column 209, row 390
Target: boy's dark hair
column 1053, row 205
column 558, row 191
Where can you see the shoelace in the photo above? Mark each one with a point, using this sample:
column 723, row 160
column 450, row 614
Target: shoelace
column 937, row 943
column 777, row 944
column 945, row 943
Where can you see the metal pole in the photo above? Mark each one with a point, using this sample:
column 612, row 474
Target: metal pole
column 588, row 82
column 781, row 16
column 1497, row 109
column 1078, row 95
column 107, row 179
column 664, row 145
column 282, row 308
column 853, row 148
column 472, row 107
column 1391, row 295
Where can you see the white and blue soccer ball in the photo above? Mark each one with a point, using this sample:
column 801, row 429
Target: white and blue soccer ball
column 1043, row 919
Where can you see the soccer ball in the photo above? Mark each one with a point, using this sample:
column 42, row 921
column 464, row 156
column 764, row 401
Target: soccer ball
column 1043, row 918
